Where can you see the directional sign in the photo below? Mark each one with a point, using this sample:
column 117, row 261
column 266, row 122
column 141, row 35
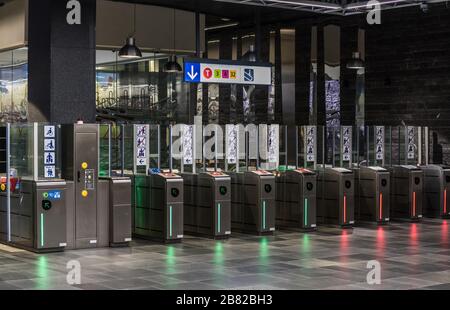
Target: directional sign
column 141, row 135
column 209, row 71
column 192, row 72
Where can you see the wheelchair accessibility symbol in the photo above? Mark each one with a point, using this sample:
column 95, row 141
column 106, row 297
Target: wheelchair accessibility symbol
column 249, row 75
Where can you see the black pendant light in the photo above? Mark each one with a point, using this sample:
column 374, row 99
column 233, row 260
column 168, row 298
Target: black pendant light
column 130, row 50
column 172, row 66
column 356, row 62
column 250, row 55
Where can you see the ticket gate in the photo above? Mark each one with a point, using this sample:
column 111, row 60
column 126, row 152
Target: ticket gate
column 436, row 189
column 158, row 207
column 406, row 192
column 94, row 210
column 372, row 189
column 335, row 197
column 296, row 199
column 207, row 204
column 38, row 215
column 253, row 202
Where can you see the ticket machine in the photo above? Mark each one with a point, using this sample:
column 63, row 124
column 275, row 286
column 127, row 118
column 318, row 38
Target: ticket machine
column 373, row 194
column 158, row 194
column 296, row 199
column 436, row 189
column 336, row 204
column 372, row 181
column 35, row 204
column 207, row 208
column 406, row 192
column 253, row 202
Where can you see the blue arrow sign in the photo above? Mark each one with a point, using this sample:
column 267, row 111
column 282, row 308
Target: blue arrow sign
column 192, row 72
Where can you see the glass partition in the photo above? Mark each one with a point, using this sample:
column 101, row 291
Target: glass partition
column 14, row 85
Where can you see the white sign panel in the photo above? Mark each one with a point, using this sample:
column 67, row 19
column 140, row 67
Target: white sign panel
column 310, row 143
column 196, row 72
column 49, row 171
column 49, row 131
column 188, row 145
column 273, row 144
column 379, row 143
column 141, row 132
column 346, row 143
column 411, row 142
column 232, row 143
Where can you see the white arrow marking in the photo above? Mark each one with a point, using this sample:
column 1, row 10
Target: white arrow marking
column 192, row 74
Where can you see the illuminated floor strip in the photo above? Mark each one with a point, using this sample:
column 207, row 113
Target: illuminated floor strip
column 170, row 221
column 218, row 217
column 264, row 215
column 306, row 211
column 42, row 229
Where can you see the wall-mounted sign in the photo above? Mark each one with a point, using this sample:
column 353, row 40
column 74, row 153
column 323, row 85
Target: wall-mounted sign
column 273, row 144
column 346, row 143
column 210, row 71
column 231, row 143
column 188, row 145
column 141, row 133
column 379, row 142
column 49, row 151
column 310, row 143
column 411, row 142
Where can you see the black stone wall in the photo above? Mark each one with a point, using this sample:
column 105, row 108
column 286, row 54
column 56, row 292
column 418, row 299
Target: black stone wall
column 408, row 68
column 61, row 63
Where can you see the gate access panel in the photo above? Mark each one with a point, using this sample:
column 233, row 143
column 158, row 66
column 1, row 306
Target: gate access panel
column 336, row 197
column 207, row 204
column 38, row 216
column 436, row 191
column 406, row 192
column 296, row 199
column 253, row 202
column 158, row 207
column 373, row 194
column 80, row 166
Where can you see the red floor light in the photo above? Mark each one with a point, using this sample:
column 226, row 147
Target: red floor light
column 345, row 209
column 381, row 206
column 445, row 201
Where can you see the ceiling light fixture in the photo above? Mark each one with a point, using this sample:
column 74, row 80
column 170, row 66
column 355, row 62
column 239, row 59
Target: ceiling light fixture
column 250, row 55
column 172, row 66
column 130, row 50
column 356, row 62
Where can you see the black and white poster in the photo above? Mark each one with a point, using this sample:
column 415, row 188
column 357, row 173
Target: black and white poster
column 310, row 143
column 379, row 142
column 346, row 143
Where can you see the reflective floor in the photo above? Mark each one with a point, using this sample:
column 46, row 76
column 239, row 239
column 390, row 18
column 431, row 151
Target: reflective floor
column 412, row 256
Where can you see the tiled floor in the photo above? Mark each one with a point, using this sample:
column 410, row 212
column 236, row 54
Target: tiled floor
column 412, row 256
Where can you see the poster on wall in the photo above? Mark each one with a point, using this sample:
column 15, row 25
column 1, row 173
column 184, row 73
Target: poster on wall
column 310, row 143
column 379, row 142
column 141, row 132
column 346, row 143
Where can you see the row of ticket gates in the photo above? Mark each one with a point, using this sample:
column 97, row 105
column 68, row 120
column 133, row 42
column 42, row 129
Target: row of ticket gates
column 82, row 210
